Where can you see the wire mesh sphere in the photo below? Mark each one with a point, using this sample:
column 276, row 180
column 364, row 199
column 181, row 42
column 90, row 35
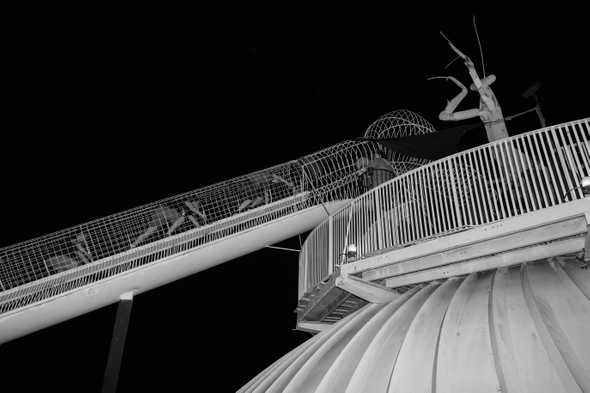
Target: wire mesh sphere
column 398, row 124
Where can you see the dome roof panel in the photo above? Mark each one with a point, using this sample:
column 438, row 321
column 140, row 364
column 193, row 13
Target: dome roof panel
column 519, row 329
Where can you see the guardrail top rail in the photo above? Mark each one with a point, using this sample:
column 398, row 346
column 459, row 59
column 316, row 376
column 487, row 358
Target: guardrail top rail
column 502, row 179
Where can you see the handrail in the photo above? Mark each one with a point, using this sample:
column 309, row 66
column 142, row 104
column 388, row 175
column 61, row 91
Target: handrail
column 488, row 183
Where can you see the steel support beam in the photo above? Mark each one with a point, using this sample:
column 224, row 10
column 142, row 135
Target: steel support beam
column 371, row 292
column 312, row 327
column 523, row 255
column 485, row 247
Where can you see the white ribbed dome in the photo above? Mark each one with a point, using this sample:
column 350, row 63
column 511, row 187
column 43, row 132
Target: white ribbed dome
column 517, row 330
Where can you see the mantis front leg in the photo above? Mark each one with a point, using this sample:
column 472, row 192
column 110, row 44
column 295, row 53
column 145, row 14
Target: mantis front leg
column 449, row 114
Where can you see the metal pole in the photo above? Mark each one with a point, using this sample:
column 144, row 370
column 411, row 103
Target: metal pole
column 111, row 374
column 541, row 117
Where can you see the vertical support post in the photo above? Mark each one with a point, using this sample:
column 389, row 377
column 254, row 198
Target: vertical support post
column 538, row 111
column 111, row 375
column 331, row 245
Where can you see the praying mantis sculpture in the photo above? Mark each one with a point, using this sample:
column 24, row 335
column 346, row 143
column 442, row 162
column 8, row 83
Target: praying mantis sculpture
column 489, row 110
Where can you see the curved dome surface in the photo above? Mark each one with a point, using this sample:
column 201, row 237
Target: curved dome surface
column 525, row 329
column 398, row 124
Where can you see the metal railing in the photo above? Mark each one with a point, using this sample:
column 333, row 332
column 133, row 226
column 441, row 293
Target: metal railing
column 50, row 265
column 503, row 179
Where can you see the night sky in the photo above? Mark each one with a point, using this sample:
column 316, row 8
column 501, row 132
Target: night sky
column 104, row 114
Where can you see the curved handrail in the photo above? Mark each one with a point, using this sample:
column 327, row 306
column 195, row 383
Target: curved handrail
column 502, row 179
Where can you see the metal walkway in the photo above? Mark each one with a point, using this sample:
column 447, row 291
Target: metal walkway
column 475, row 210
column 52, row 278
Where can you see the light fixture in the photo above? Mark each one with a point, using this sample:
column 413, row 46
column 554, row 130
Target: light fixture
column 351, row 251
column 586, row 186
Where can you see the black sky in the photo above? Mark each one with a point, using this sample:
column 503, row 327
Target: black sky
column 103, row 114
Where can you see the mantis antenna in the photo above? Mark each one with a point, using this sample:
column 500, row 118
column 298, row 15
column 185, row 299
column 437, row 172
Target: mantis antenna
column 480, row 49
column 451, row 62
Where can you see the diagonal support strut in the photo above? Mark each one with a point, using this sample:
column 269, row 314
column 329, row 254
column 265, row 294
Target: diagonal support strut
column 371, row 292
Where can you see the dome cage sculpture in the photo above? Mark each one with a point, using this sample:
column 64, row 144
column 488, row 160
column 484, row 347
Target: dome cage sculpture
column 399, row 124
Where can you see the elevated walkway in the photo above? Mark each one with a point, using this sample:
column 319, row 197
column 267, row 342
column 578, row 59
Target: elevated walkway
column 55, row 277
column 47, row 280
column 138, row 271
column 514, row 201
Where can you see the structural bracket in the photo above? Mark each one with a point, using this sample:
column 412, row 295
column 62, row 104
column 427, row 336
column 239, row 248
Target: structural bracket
column 312, row 327
column 366, row 290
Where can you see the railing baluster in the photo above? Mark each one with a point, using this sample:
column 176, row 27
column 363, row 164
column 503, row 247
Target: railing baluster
column 540, row 168
column 387, row 226
column 515, row 174
column 397, row 213
column 410, row 209
column 378, row 217
column 491, row 203
column 580, row 144
column 555, row 164
column 432, row 198
column 476, row 196
column 498, row 180
column 453, row 169
column 465, row 191
column 440, row 198
column 418, row 207
column 423, row 204
column 562, row 167
column 362, row 223
column 527, row 194
column 330, row 244
column 405, row 209
column 575, row 164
